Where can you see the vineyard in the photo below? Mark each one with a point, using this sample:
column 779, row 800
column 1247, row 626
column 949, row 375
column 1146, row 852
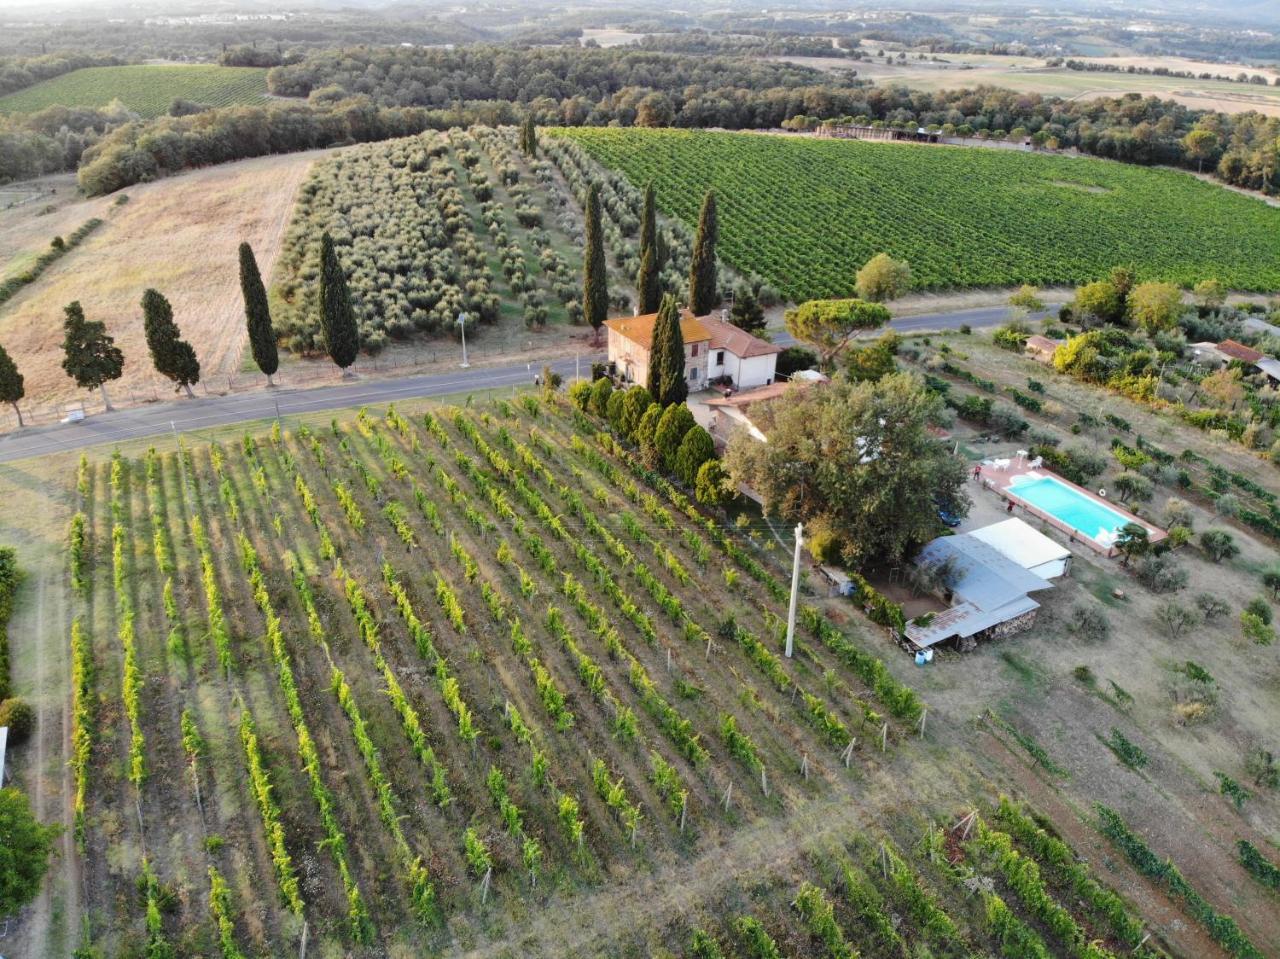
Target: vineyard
column 398, row 682
column 145, row 90
column 399, row 669
column 805, row 214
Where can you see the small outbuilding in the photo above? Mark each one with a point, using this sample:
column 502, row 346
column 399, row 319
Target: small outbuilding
column 1020, row 543
column 1041, row 348
column 987, row 593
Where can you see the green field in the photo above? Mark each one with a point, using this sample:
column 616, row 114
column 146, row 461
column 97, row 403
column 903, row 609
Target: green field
column 806, row 213
column 147, row 90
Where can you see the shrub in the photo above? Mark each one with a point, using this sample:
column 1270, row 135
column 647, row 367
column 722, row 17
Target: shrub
column 1176, row 618
column 1089, row 623
column 696, row 449
column 580, row 394
column 1177, row 512
column 1127, row 751
column 793, row 359
column 1260, row 764
column 18, row 715
column 711, row 484
column 675, row 422
column 1228, row 504
column 1259, row 607
column 1256, row 630
column 1258, row 865
column 1211, row 607
column 1232, row 790
column 601, row 390
column 1160, row 574
column 1218, row 545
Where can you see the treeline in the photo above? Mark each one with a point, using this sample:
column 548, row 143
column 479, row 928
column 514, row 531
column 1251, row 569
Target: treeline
column 1093, row 66
column 54, row 139
column 138, row 152
column 765, row 45
column 139, row 38
column 399, row 76
column 19, row 72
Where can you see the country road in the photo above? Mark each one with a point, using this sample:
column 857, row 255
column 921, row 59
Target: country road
column 205, row 412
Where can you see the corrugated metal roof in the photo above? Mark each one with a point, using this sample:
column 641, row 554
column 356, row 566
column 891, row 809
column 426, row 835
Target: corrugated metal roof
column 983, row 576
column 1270, row 367
column 1019, row 542
column 966, row 620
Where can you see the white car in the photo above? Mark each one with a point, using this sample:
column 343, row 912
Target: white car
column 74, row 416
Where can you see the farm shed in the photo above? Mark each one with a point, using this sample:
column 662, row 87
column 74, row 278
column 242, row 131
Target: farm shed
column 1020, row 543
column 988, row 593
column 1041, row 348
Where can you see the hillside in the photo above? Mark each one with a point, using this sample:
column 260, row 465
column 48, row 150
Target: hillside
column 179, row 236
column 146, row 90
column 805, row 213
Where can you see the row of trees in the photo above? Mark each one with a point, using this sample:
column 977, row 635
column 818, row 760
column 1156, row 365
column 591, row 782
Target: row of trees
column 92, row 359
column 704, row 293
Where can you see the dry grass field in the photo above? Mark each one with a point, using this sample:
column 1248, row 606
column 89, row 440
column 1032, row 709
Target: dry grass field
column 179, row 235
column 1030, row 75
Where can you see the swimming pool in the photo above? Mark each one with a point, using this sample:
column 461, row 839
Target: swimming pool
column 1068, row 505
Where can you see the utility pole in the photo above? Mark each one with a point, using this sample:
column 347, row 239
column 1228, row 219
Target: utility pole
column 795, row 590
column 462, row 325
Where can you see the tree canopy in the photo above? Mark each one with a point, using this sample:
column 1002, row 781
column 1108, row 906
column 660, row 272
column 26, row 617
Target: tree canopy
column 1155, row 306
column 25, row 846
column 257, row 313
column 883, row 278
column 859, row 458
column 667, row 383
column 704, row 293
column 337, row 318
column 595, row 290
column 171, row 355
column 11, row 383
column 829, row 325
column 91, row 357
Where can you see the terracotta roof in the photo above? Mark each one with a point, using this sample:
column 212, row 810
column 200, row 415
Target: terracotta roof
column 1239, row 351
column 758, row 395
column 1038, row 342
column 639, row 329
column 726, row 336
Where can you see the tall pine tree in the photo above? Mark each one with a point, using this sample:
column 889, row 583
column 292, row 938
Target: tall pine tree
column 703, row 295
column 11, row 385
column 91, row 357
column 257, row 314
column 648, row 278
column 337, row 318
column 172, row 356
column 666, row 382
column 595, row 290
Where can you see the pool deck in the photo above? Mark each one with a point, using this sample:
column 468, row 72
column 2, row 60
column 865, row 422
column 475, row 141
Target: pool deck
column 1000, row 481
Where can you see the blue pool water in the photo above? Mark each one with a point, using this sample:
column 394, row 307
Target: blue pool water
column 1089, row 517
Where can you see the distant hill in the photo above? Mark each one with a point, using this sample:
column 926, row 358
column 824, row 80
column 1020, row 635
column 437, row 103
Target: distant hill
column 146, row 90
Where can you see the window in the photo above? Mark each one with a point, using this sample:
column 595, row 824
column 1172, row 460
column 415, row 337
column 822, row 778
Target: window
column 694, row 350
column 693, row 374
column 720, row 358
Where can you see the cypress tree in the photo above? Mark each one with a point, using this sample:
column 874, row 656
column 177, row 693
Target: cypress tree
column 666, row 356
column 648, row 278
column 91, row 358
column 257, row 313
column 172, row 356
column 595, row 291
column 11, row 386
column 528, row 137
column 702, row 268
column 337, row 318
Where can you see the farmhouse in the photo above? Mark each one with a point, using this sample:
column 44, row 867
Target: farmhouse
column 714, row 351
column 987, row 590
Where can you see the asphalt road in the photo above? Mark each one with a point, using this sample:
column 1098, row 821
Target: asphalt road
column 204, row 412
